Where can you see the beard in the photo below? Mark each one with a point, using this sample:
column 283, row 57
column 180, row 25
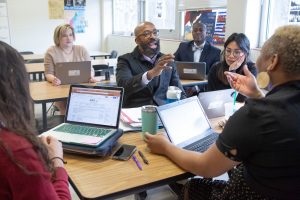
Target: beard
column 147, row 50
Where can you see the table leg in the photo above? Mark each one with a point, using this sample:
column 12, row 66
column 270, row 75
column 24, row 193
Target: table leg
column 44, row 110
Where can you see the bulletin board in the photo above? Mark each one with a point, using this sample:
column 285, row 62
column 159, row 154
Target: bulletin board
column 215, row 20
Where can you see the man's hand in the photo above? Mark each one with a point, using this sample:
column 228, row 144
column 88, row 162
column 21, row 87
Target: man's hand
column 160, row 65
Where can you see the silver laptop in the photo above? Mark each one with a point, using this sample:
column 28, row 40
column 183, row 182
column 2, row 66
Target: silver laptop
column 190, row 130
column 191, row 70
column 73, row 72
column 92, row 116
column 213, row 102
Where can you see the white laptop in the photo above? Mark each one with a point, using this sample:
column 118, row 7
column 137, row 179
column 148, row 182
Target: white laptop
column 213, row 102
column 73, row 72
column 92, row 116
column 191, row 70
column 186, row 124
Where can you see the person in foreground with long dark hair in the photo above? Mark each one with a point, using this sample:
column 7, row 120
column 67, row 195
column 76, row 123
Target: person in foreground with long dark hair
column 262, row 137
column 30, row 167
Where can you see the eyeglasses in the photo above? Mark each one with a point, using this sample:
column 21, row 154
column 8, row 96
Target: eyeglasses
column 236, row 53
column 147, row 34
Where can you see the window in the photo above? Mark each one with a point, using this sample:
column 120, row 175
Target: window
column 125, row 16
column 278, row 13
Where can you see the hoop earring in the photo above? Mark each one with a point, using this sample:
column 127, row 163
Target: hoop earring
column 263, row 80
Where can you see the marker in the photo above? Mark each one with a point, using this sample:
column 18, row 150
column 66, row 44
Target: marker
column 143, row 157
column 137, row 162
column 234, row 100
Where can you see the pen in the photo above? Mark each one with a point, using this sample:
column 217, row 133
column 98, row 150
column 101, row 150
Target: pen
column 143, row 157
column 137, row 162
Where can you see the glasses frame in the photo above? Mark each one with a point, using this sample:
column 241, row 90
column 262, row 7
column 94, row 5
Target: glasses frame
column 235, row 52
column 147, row 34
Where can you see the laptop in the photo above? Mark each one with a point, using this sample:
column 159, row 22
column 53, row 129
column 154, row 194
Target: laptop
column 190, row 130
column 213, row 102
column 92, row 115
column 73, row 72
column 191, row 70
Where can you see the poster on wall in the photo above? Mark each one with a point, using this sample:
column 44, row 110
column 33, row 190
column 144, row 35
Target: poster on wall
column 214, row 21
column 56, row 9
column 75, row 14
column 161, row 13
column 294, row 16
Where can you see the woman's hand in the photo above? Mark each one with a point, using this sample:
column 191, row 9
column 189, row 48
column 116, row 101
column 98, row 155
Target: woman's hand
column 234, row 66
column 56, row 81
column 54, row 149
column 244, row 84
column 92, row 80
column 157, row 143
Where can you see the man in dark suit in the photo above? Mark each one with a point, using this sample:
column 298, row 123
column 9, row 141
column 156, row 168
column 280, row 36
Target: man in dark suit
column 197, row 50
column 146, row 73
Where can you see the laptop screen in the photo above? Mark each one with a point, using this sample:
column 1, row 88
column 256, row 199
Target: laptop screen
column 94, row 105
column 184, row 121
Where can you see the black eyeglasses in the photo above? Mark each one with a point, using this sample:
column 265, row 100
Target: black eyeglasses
column 147, row 34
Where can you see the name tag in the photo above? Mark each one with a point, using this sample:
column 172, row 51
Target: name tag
column 189, row 71
column 74, row 72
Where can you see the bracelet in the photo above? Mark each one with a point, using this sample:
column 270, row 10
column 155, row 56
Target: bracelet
column 65, row 162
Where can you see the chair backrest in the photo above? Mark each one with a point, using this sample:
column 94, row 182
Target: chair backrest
column 25, row 52
column 113, row 54
column 100, row 69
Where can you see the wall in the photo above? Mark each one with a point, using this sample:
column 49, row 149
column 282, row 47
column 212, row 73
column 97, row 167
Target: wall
column 31, row 30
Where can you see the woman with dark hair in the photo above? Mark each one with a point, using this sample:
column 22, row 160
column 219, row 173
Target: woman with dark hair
column 30, row 167
column 235, row 55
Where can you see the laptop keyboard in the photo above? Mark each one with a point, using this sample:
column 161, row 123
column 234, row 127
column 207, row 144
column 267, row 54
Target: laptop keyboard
column 83, row 130
column 204, row 144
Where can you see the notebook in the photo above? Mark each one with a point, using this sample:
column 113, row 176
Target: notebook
column 190, row 130
column 213, row 102
column 73, row 72
column 191, row 70
column 92, row 115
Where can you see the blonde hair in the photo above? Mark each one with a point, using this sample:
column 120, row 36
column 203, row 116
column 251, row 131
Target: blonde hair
column 59, row 30
column 286, row 43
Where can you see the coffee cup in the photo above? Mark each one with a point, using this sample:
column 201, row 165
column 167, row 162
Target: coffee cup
column 149, row 120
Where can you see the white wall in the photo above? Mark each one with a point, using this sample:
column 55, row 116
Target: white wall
column 32, row 30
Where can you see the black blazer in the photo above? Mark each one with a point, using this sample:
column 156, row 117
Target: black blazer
column 129, row 72
column 209, row 55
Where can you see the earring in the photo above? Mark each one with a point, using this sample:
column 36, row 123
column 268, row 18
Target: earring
column 263, row 80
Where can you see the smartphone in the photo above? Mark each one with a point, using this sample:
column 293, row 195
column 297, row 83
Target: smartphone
column 124, row 152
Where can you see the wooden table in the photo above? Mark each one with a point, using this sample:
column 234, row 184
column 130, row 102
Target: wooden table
column 189, row 83
column 104, row 178
column 28, row 57
column 95, row 54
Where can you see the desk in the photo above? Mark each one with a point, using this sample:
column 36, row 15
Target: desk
column 39, row 68
column 187, row 83
column 35, row 69
column 95, row 54
column 44, row 92
column 104, row 178
column 28, row 57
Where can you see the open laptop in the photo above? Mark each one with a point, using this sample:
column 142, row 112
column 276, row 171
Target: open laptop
column 73, row 72
column 213, row 102
column 191, row 70
column 93, row 114
column 190, row 130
